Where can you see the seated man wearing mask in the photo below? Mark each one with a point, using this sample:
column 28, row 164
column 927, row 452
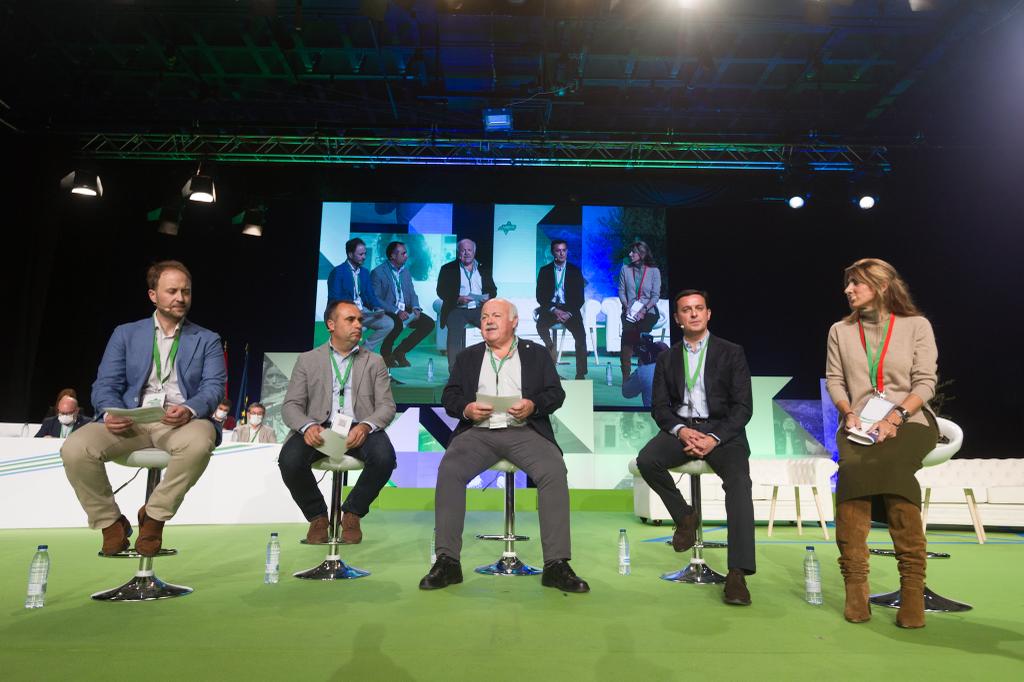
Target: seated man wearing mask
column 68, row 418
column 254, row 430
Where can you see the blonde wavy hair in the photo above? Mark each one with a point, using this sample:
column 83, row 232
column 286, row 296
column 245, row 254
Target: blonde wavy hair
column 891, row 291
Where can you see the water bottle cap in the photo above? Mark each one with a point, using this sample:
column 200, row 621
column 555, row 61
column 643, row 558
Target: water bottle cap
column 43, row 547
column 273, row 535
column 810, row 548
column 622, row 530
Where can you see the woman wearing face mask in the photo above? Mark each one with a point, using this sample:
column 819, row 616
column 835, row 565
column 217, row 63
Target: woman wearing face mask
column 254, row 430
column 639, row 291
column 881, row 373
column 67, row 418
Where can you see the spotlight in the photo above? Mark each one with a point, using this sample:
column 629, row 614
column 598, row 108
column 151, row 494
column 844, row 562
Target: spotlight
column 497, row 120
column 82, row 183
column 167, row 219
column 200, row 188
column 796, row 201
column 866, row 202
column 252, row 221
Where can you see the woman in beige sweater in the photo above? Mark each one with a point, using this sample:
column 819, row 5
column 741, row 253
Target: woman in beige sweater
column 884, row 350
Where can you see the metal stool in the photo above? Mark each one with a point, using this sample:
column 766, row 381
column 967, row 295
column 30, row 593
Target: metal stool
column 145, row 586
column 333, row 568
column 509, row 563
column 933, row 601
column 697, row 571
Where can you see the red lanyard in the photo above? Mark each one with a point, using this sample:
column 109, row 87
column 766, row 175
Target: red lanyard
column 876, row 363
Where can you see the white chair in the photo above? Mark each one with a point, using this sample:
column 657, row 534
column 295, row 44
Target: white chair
column 145, row 586
column 509, row 563
column 940, row 454
column 697, row 571
column 590, row 311
column 612, row 309
column 333, row 568
column 810, row 471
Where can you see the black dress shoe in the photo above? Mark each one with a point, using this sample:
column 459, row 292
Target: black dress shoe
column 559, row 574
column 400, row 360
column 445, row 571
column 736, row 591
column 686, row 533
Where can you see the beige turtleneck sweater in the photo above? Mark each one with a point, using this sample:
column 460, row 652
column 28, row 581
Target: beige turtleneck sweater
column 909, row 367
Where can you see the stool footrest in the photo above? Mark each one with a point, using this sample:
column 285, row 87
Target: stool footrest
column 132, row 554
column 332, row 569
column 696, row 572
column 933, row 602
column 503, row 538
column 508, row 565
column 330, row 541
column 143, row 588
column 892, row 552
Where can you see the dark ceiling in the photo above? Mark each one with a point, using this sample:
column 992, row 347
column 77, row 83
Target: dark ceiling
column 854, row 70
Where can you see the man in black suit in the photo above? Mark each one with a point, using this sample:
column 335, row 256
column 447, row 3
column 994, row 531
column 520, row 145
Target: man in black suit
column 702, row 400
column 68, row 418
column 505, row 366
column 560, row 297
column 462, row 285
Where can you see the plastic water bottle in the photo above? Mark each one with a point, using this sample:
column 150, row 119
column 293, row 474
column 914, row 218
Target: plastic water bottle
column 272, row 573
column 433, row 548
column 812, row 578
column 623, row 553
column 608, row 374
column 37, row 574
column 430, row 369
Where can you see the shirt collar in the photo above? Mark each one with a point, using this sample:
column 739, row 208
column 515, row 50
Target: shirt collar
column 339, row 353
column 156, row 324
column 700, row 344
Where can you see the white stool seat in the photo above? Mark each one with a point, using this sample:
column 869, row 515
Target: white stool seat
column 346, row 463
column 694, row 468
column 506, row 466
column 146, row 458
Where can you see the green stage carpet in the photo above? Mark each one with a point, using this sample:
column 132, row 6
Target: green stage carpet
column 488, row 628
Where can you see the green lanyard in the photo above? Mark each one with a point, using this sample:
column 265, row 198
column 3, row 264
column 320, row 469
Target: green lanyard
column 255, row 431
column 469, row 277
column 640, row 284
column 342, row 380
column 355, row 283
column 398, row 282
column 691, row 381
column 497, row 366
column 170, row 358
column 558, row 282
column 876, row 359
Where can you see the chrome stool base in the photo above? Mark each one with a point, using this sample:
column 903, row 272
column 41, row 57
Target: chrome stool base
column 145, row 586
column 332, row 569
column 508, row 565
column 933, row 602
column 697, row 573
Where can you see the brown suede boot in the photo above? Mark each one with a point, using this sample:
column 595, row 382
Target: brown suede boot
column 908, row 539
column 853, row 521
column 317, row 533
column 115, row 536
column 151, row 535
column 351, row 534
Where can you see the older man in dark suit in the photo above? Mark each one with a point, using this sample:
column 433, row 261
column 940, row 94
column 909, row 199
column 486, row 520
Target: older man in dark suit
column 702, row 400
column 344, row 388
column 503, row 365
column 462, row 285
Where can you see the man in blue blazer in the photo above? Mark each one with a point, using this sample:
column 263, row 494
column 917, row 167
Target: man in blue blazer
column 392, row 283
column 350, row 281
column 161, row 361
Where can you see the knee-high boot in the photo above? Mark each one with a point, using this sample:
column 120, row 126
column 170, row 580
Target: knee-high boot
column 908, row 539
column 853, row 521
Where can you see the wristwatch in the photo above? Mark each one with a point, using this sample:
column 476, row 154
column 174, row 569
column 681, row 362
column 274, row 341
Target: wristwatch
column 903, row 412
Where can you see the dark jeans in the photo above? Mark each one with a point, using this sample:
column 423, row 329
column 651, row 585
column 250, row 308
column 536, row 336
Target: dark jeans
column 296, row 458
column 732, row 464
column 419, row 330
column 546, row 319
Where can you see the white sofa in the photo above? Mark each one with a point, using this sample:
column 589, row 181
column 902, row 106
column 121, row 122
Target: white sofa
column 995, row 486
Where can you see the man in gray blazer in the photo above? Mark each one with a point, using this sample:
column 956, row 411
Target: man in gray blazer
column 333, row 386
column 392, row 282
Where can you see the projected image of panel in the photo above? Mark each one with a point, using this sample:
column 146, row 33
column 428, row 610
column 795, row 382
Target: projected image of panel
column 514, row 244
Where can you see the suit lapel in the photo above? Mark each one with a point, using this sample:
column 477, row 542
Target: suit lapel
column 187, row 345
column 327, row 372
column 359, row 361
column 711, row 366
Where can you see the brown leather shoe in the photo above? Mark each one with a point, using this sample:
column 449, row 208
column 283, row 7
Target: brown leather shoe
column 151, row 534
column 351, row 534
column 115, row 536
column 736, row 591
column 317, row 533
column 686, row 533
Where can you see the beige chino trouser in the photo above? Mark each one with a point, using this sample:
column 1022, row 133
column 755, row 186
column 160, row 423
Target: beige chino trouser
column 87, row 450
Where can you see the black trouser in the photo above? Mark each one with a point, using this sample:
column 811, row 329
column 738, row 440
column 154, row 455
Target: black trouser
column 546, row 319
column 422, row 326
column 296, row 458
column 732, row 464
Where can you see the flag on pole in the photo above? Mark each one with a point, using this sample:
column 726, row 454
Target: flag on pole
column 242, row 404
column 226, row 367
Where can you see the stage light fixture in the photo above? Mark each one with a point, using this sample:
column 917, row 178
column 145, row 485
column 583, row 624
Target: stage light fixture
column 82, row 183
column 252, row 221
column 866, row 202
column 200, row 188
column 796, row 201
column 496, row 120
column 167, row 219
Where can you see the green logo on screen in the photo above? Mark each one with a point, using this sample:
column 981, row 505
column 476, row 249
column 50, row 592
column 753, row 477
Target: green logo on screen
column 507, row 227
